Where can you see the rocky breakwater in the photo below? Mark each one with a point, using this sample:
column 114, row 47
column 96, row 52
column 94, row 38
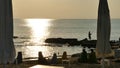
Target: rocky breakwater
column 70, row 41
column 75, row 42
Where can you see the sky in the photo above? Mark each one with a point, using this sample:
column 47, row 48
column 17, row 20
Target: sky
column 62, row 9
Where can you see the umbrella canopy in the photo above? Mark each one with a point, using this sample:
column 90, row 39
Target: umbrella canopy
column 7, row 49
column 103, row 29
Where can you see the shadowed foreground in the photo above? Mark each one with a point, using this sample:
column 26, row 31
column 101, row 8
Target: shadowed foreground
column 29, row 64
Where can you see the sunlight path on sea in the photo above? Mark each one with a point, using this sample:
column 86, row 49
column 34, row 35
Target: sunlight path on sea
column 39, row 29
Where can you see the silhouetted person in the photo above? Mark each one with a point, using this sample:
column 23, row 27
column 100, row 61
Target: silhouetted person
column 41, row 59
column 19, row 58
column 64, row 56
column 54, row 59
column 119, row 42
column 119, row 39
column 83, row 57
column 89, row 35
column 92, row 57
column 58, row 53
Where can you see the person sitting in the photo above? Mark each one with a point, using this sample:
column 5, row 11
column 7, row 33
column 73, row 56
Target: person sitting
column 83, row 57
column 92, row 57
column 64, row 56
column 19, row 58
column 41, row 59
column 54, row 59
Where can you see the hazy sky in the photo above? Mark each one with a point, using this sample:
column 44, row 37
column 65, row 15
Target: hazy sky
column 76, row 9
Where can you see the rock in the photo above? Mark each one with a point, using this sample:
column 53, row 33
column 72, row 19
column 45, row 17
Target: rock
column 70, row 41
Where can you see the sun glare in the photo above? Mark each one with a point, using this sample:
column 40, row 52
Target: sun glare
column 39, row 29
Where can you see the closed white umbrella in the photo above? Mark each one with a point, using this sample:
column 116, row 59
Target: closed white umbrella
column 103, row 47
column 7, row 49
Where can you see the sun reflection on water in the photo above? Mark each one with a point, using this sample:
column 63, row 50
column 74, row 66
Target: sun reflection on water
column 32, row 51
column 39, row 29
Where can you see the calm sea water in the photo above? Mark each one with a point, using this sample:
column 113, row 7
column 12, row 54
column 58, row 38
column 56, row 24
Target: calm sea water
column 33, row 32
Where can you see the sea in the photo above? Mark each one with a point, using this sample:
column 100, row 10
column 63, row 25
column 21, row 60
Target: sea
column 31, row 34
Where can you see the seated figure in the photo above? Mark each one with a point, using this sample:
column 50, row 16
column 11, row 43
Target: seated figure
column 41, row 59
column 92, row 57
column 83, row 57
column 19, row 58
column 64, row 56
column 54, row 59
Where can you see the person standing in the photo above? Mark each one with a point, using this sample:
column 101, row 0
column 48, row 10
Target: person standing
column 89, row 35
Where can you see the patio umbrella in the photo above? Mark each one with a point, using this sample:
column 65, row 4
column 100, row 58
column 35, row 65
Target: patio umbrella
column 7, row 49
column 103, row 47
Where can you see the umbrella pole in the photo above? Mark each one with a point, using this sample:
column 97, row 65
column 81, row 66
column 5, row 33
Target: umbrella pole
column 103, row 62
column 4, row 65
